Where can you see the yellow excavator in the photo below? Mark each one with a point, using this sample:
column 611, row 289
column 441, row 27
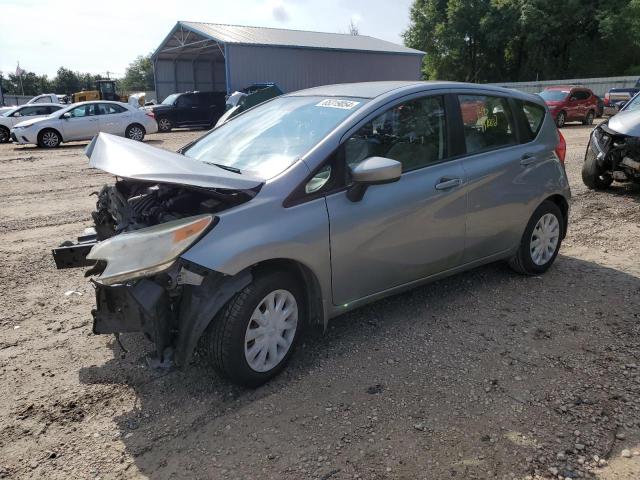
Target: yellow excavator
column 105, row 90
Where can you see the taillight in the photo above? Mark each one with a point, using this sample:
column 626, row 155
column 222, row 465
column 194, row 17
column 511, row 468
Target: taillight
column 606, row 99
column 561, row 148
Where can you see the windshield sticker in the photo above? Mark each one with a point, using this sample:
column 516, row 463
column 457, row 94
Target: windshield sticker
column 337, row 103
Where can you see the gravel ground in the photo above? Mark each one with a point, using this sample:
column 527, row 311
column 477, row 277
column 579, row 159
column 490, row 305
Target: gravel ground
column 486, row 374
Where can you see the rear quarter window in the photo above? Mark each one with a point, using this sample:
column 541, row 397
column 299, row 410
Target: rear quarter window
column 533, row 118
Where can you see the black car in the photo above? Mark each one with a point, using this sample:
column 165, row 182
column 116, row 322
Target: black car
column 190, row 109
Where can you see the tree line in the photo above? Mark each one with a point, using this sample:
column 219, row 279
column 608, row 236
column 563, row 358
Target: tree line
column 138, row 77
column 523, row 40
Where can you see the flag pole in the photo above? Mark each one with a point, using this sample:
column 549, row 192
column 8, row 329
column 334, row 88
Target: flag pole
column 19, row 72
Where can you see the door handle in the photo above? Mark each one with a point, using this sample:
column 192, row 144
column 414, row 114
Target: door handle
column 447, row 183
column 528, row 159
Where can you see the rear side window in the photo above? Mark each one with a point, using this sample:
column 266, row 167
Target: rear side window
column 533, row 116
column 488, row 122
column 186, row 101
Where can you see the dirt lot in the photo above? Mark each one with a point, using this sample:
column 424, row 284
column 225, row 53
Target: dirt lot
column 484, row 375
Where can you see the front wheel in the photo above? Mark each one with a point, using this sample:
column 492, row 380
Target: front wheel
column 251, row 340
column 540, row 242
column 561, row 119
column 49, row 138
column 135, row 132
column 164, row 124
column 593, row 176
column 4, row 135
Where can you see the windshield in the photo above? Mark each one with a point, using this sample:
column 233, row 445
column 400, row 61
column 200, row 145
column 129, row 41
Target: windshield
column 633, row 104
column 269, row 138
column 8, row 112
column 170, row 100
column 554, row 95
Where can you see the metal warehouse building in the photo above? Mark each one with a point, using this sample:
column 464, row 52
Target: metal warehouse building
column 211, row 57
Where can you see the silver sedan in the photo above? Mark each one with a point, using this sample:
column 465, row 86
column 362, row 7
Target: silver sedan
column 313, row 204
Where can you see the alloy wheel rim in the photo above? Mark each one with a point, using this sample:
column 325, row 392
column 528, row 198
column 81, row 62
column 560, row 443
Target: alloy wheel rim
column 561, row 119
column 164, row 124
column 50, row 139
column 544, row 239
column 271, row 331
column 135, row 133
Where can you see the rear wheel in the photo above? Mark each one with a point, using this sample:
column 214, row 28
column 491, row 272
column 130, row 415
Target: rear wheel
column 4, row 135
column 251, row 340
column 164, row 124
column 589, row 118
column 561, row 119
column 135, row 131
column 593, row 175
column 49, row 138
column 540, row 242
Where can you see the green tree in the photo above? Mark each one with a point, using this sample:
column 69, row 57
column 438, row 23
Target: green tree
column 510, row 40
column 67, row 81
column 139, row 75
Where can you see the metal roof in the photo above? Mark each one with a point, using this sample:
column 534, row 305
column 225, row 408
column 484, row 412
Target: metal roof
column 263, row 36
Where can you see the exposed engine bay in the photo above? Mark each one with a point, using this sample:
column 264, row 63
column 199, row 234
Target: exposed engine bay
column 130, row 205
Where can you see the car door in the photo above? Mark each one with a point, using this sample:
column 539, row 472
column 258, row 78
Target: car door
column 496, row 165
column 187, row 110
column 404, row 231
column 113, row 118
column 83, row 123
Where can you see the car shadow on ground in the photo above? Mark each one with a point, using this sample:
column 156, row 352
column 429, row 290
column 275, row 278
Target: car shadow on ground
column 174, row 408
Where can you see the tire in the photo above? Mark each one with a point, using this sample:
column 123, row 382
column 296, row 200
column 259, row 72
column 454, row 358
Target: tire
column 592, row 175
column 4, row 135
column 589, row 118
column 561, row 119
column 545, row 226
column 164, row 124
column 49, row 138
column 135, row 131
column 227, row 343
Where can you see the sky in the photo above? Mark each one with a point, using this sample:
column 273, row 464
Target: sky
column 100, row 37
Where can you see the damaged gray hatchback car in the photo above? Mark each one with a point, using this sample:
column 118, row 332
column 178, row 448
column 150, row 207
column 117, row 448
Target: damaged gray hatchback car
column 312, row 204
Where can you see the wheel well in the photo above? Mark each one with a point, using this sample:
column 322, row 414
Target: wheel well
column 50, row 128
column 563, row 205
column 312, row 289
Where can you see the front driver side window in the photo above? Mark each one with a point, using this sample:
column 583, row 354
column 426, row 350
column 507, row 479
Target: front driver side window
column 412, row 133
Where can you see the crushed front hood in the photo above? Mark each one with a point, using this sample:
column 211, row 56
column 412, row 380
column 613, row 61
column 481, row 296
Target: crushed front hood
column 138, row 161
column 626, row 123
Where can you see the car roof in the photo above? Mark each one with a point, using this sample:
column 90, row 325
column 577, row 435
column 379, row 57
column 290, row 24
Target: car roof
column 40, row 104
column 377, row 89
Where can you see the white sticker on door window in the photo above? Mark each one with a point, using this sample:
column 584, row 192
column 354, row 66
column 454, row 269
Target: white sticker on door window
column 337, row 103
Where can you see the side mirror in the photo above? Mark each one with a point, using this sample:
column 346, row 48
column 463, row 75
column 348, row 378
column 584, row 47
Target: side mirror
column 372, row 171
column 17, row 114
column 65, row 115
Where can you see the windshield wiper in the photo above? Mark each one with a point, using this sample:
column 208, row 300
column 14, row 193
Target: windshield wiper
column 225, row 167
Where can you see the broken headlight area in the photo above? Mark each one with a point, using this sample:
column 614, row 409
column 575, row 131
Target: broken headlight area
column 616, row 153
column 131, row 205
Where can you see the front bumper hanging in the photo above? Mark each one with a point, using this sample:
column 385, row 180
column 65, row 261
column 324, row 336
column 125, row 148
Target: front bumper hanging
column 71, row 255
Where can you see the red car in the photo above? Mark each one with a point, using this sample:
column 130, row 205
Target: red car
column 571, row 104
